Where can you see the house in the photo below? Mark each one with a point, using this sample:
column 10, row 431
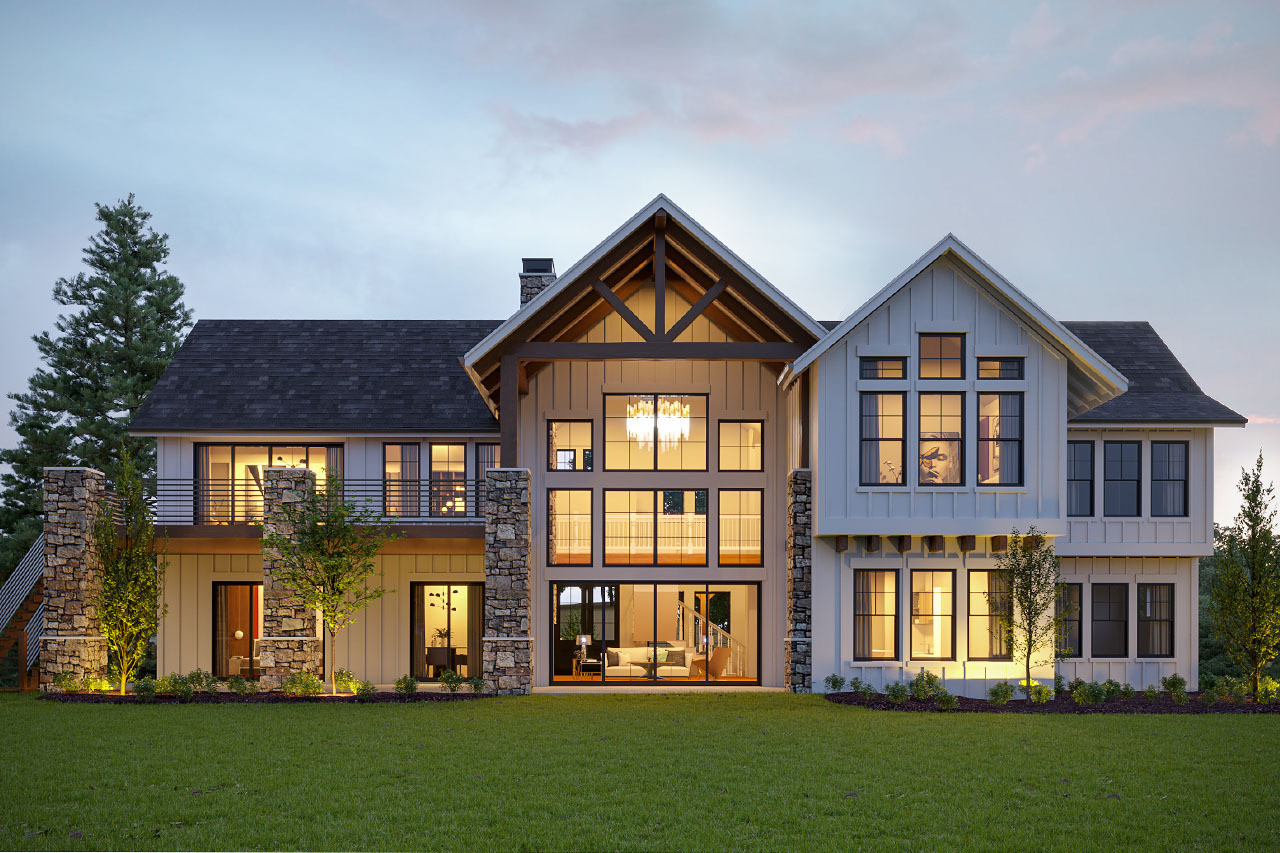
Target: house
column 661, row 470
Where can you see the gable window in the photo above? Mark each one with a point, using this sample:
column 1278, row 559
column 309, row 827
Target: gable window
column 1000, row 368
column 1080, row 478
column 741, row 443
column 448, row 479
column 942, row 356
column 1110, row 620
column 663, row 527
column 741, row 524
column 569, row 527
column 932, row 615
column 882, row 368
column 988, row 601
column 655, row 432
column 400, row 479
column 941, row 456
column 1169, row 478
column 1155, row 620
column 875, row 615
column 1121, row 478
column 883, row 440
column 569, row 446
column 1000, row 439
column 1066, row 607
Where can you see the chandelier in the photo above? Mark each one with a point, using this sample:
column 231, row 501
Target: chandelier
column 670, row 422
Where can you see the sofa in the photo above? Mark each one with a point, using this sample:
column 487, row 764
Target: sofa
column 673, row 661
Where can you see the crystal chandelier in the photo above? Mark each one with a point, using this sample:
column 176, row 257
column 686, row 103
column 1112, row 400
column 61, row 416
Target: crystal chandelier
column 670, row 422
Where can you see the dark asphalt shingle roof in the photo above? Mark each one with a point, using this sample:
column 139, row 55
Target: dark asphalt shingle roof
column 1160, row 389
column 320, row 375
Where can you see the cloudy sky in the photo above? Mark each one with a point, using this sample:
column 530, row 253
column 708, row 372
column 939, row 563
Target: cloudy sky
column 1115, row 160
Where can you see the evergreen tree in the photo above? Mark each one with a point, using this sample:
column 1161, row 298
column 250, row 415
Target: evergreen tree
column 126, row 321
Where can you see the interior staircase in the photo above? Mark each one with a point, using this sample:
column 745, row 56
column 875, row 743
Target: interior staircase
column 22, row 614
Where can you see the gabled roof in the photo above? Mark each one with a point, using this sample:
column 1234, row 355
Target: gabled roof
column 1093, row 380
column 319, row 375
column 1160, row 389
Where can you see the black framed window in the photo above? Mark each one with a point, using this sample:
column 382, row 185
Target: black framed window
column 941, row 456
column 1155, row 620
column 741, row 446
column 988, row 600
column 1122, row 478
column 1080, row 478
column 1000, row 426
column 445, row 622
column 1169, row 478
column 401, row 480
column 883, row 438
column 655, row 432
column 1000, row 368
column 229, row 479
column 569, row 446
column 875, row 615
column 1110, row 620
column 941, row 356
column 568, row 527
column 655, row 527
column 741, row 514
column 449, row 480
column 1066, row 607
column 933, row 621
column 882, row 368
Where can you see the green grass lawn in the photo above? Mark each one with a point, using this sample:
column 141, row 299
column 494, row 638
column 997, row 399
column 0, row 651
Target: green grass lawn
column 701, row 771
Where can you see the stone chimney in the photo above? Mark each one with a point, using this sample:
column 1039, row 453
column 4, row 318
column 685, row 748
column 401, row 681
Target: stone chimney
column 536, row 275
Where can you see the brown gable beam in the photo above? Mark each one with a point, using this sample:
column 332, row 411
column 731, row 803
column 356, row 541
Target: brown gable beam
column 627, row 314
column 767, row 351
column 660, row 275
column 728, row 300
column 598, row 311
column 694, row 311
column 714, row 312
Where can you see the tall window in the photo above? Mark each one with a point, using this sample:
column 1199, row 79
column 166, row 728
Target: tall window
column 942, row 356
column 1121, row 478
column 942, row 439
column 883, row 440
column 569, row 446
column 1000, row 439
column 932, row 615
column 1080, row 478
column 662, row 432
column 1169, row 478
column 741, row 523
column 875, row 615
column 1155, row 620
column 448, row 479
column 1067, row 609
column 569, row 527
column 1110, row 620
column 740, row 445
column 666, row 527
column 988, row 600
column 882, row 368
column 400, row 479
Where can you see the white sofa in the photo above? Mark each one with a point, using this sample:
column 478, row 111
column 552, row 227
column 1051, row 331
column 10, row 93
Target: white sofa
column 626, row 668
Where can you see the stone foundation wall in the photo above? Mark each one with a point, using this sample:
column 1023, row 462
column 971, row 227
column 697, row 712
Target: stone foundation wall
column 72, row 639
column 290, row 642
column 798, row 647
column 507, row 646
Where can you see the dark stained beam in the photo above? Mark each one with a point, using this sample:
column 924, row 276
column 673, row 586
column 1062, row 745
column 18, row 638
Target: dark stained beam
column 999, row 543
column 727, row 300
column 714, row 313
column 934, row 543
column 660, row 277
column 695, row 311
column 871, row 544
column 804, row 420
column 769, row 351
column 628, row 315
column 508, row 406
column 522, row 379
column 968, row 543
column 842, row 543
column 597, row 312
column 903, row 544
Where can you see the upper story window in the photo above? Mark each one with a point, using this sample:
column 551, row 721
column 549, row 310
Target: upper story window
column 941, row 455
column 400, row 472
column 942, row 356
column 655, row 432
column 569, row 446
column 448, row 479
column 1080, row 478
column 1169, row 478
column 883, row 438
column 569, row 523
column 1000, row 368
column 882, row 368
column 1121, row 478
column 1000, row 439
column 662, row 527
column 229, row 476
column 741, row 443
column 741, row 527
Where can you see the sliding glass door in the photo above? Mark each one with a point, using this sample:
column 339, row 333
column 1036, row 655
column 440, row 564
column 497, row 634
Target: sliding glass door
column 445, row 621
column 237, row 627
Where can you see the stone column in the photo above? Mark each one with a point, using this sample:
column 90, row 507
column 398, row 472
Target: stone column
column 290, row 641
column 72, row 638
column 507, row 645
column 797, row 655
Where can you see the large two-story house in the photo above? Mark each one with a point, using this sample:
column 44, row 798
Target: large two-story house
column 662, row 471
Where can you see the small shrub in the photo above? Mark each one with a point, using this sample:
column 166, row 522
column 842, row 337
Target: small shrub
column 861, row 688
column 1179, row 697
column 1126, row 691
column 477, row 684
column 1040, row 694
column 947, row 702
column 451, row 681
column 242, row 686
column 1075, row 683
column 1089, row 693
column 145, row 689
column 345, row 681
column 835, row 683
column 406, row 685
column 925, row 686
column 366, row 692
column 302, row 684
column 1234, row 690
column 1152, row 693
column 65, row 682
column 1268, row 690
column 1000, row 693
column 175, row 685
column 897, row 692
column 1208, row 697
column 1111, row 689
column 1173, row 683
column 1059, row 684
column 202, row 681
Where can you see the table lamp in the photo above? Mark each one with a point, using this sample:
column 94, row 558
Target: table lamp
column 584, row 640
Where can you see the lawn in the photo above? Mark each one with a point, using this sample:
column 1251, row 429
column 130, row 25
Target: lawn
column 701, row 771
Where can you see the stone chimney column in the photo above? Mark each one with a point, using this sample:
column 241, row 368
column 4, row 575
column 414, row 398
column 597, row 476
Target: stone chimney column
column 507, row 645
column 797, row 653
column 537, row 274
column 290, row 641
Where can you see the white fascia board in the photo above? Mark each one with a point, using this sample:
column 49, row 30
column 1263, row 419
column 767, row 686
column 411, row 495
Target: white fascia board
column 1181, row 426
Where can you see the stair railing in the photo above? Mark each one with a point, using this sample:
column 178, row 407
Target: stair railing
column 18, row 586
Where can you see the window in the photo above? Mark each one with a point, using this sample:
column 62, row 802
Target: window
column 569, row 527
column 1155, row 620
column 942, row 356
column 932, row 615
column 1000, row 439
column 665, row 527
column 569, row 446
column 1121, row 478
column 1000, row 368
column 229, row 476
column 1169, row 478
column 237, row 629
column 882, row 368
column 740, row 445
column 1110, row 620
column 1067, row 608
column 400, row 479
column 448, row 479
column 942, row 439
column 444, row 629
column 875, row 615
column 883, row 439
column 1080, row 478
column 662, row 432
column 741, row 523
column 988, row 600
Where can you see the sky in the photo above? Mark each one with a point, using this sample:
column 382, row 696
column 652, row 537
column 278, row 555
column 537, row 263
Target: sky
column 1115, row 160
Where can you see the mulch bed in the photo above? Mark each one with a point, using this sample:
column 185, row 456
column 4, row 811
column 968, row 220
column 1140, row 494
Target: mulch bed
column 1063, row 704
column 257, row 698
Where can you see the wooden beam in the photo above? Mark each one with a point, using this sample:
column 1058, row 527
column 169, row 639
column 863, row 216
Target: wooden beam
column 842, row 543
column 695, row 311
column 727, row 302
column 999, row 543
column 650, row 350
column 522, row 380
column 934, row 543
column 968, row 543
column 633, row 321
column 508, row 409
column 714, row 313
column 903, row 544
column 597, row 312
column 804, row 420
column 660, row 278
column 871, row 544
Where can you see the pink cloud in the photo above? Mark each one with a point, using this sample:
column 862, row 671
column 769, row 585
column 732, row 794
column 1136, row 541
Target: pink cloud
column 865, row 130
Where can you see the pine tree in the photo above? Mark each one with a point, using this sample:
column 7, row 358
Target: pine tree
column 126, row 321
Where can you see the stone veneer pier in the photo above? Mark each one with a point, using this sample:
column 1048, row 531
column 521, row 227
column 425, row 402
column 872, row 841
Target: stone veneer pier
column 506, row 643
column 797, row 651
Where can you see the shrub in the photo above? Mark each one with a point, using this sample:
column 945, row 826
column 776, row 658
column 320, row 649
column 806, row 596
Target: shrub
column 1075, row 683
column 1173, row 683
column 1111, row 689
column 1179, row 697
column 202, row 681
column 897, row 692
column 242, row 686
column 835, row 683
column 1234, row 690
column 1209, row 696
column 1089, row 693
column 861, row 688
column 1040, row 694
column 302, row 684
column 451, row 681
column 1152, row 693
column 175, row 685
column 477, row 684
column 1059, row 684
column 947, row 701
column 65, row 682
column 365, row 691
column 1126, row 691
column 1000, row 693
column 406, row 685
column 145, row 689
column 926, row 686
column 345, row 681
column 1268, row 690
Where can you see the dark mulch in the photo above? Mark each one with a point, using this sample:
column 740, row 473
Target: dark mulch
column 1064, row 704
column 257, row 698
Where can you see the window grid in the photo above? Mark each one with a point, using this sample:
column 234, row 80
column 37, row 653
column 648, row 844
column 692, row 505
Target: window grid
column 882, row 368
column 1000, row 368
column 1067, row 608
column 741, row 514
column 988, row 599
column 741, row 446
column 400, row 472
column 569, row 445
column 941, row 442
column 569, row 527
column 1000, row 430
column 942, row 356
column 883, row 439
column 625, row 453
column 1110, row 617
column 1122, row 478
column 1169, row 479
column 933, row 625
column 1080, row 478
column 1155, row 620
column 875, row 615
column 655, row 527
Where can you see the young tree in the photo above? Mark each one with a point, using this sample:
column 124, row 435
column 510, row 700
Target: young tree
column 130, row 574
column 1244, row 592
column 126, row 321
column 328, row 559
column 1027, row 617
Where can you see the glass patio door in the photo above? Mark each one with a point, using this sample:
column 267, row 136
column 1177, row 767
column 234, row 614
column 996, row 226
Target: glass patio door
column 445, row 621
column 237, row 627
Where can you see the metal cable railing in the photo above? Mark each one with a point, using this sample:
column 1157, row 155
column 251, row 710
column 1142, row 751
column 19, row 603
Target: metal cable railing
column 19, row 584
